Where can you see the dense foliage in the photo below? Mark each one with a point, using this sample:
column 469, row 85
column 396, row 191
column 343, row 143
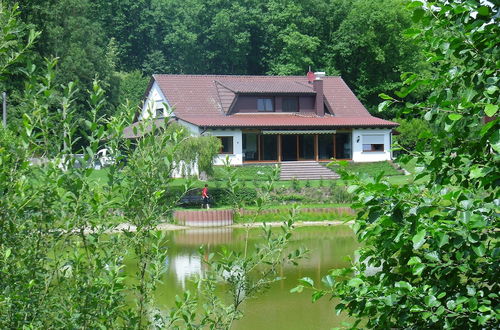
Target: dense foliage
column 431, row 249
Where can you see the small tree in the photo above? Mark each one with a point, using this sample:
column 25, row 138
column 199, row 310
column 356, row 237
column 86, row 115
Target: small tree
column 411, row 131
column 197, row 151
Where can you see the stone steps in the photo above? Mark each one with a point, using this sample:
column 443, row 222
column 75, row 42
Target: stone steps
column 306, row 170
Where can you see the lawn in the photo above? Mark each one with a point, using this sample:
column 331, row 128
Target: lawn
column 371, row 169
column 254, row 176
column 246, row 173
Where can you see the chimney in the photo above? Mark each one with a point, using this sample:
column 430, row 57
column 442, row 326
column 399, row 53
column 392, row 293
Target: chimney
column 318, row 88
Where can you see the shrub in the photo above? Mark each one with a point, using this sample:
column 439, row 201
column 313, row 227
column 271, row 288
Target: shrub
column 412, row 130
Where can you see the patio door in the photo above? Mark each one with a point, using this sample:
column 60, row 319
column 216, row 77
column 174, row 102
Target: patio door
column 289, row 147
column 306, row 147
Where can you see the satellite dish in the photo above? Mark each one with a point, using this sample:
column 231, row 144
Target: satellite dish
column 310, row 76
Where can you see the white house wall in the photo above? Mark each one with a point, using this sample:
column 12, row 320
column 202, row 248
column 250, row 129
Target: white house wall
column 193, row 129
column 358, row 155
column 155, row 100
column 236, row 158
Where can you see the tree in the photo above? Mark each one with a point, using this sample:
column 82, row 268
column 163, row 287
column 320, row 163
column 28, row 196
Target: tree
column 411, row 131
column 430, row 257
column 369, row 50
column 132, row 86
column 290, row 47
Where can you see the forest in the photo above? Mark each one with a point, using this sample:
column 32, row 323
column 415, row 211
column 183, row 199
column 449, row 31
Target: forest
column 123, row 42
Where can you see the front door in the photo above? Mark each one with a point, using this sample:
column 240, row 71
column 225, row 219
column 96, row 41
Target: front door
column 289, row 147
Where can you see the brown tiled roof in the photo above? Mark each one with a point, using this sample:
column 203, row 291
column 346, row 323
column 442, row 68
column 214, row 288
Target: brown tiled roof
column 205, row 99
column 267, row 87
column 226, row 97
column 254, row 120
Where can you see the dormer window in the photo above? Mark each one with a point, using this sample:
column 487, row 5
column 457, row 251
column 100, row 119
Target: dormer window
column 265, row 105
column 290, row 104
column 159, row 113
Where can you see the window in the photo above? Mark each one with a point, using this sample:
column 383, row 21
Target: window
column 159, row 113
column 373, row 147
column 265, row 105
column 373, row 143
column 227, row 144
column 290, row 104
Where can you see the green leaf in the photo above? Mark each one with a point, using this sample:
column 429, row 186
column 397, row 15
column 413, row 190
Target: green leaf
column 317, row 295
column 410, row 33
column 443, row 240
column 297, row 289
column 483, row 11
column 414, row 261
column 384, row 105
column 479, row 250
column 432, row 256
column 419, row 239
column 484, row 308
column 490, row 110
column 328, row 281
column 404, row 285
column 307, row 282
column 418, row 14
column 477, row 172
column 352, row 189
column 418, row 269
column 455, row 116
column 430, row 300
column 385, row 96
column 355, row 282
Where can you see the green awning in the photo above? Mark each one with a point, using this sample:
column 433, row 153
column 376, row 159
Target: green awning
column 314, row 131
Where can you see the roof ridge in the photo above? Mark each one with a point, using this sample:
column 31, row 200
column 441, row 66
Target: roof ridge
column 235, row 75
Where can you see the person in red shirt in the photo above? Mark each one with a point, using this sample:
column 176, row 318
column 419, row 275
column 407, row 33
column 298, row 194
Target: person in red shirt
column 204, row 196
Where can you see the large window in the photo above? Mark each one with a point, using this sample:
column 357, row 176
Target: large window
column 227, row 144
column 306, row 146
column 290, row 104
column 373, row 143
column 265, row 104
column 250, row 146
column 325, row 146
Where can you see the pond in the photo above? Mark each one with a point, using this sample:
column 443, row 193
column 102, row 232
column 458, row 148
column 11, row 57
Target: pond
column 329, row 247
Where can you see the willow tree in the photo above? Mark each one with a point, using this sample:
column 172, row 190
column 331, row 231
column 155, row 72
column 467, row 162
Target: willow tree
column 199, row 151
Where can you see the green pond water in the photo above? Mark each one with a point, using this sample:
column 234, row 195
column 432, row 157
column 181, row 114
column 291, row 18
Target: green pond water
column 276, row 308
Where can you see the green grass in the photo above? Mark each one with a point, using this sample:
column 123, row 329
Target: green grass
column 374, row 168
column 273, row 206
column 246, row 173
column 326, row 215
column 253, row 176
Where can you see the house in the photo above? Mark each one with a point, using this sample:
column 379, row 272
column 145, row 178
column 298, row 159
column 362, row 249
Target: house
column 263, row 119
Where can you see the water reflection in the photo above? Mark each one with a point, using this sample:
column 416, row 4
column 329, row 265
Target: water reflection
column 185, row 266
column 330, row 247
column 203, row 236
